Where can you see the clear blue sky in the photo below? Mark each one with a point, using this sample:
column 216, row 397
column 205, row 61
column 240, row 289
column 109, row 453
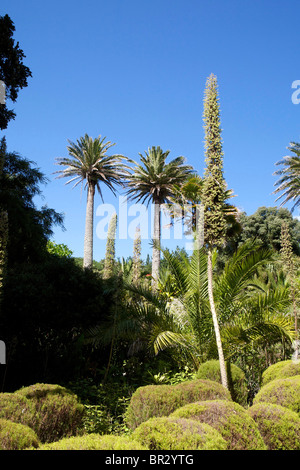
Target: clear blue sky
column 135, row 72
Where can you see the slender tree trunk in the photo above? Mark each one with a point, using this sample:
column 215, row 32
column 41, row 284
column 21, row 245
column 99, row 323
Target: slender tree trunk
column 89, row 228
column 156, row 246
column 215, row 321
column 296, row 320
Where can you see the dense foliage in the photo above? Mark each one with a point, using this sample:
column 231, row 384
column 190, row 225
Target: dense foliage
column 182, row 351
column 13, row 72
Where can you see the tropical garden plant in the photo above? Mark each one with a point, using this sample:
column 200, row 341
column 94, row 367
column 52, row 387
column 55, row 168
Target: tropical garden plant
column 153, row 180
column 251, row 314
column 288, row 183
column 88, row 161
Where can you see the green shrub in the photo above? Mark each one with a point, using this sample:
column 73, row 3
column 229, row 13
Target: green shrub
column 94, row 442
column 279, row 426
column 170, row 433
column 105, row 405
column 281, row 370
column 230, row 419
column 236, row 379
column 58, row 412
column 284, row 392
column 17, row 409
column 160, row 400
column 16, row 436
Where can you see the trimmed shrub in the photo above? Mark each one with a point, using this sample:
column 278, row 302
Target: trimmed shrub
column 278, row 426
column 236, row 379
column 17, row 409
column 16, row 436
column 94, row 442
column 160, row 400
column 230, row 419
column 281, row 370
column 170, row 433
column 58, row 411
column 284, row 392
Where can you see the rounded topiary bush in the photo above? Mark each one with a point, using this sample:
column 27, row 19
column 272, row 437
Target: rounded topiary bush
column 230, row 419
column 16, row 436
column 170, row 433
column 94, row 442
column 17, row 409
column 236, row 379
column 160, row 400
column 281, row 370
column 278, row 426
column 284, row 392
column 58, row 411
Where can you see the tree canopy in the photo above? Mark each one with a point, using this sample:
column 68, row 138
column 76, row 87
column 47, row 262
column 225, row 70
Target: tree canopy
column 29, row 228
column 13, row 73
column 265, row 225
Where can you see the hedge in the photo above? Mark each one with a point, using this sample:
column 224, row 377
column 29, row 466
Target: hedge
column 94, row 442
column 17, row 409
column 281, row 370
column 58, row 411
column 170, row 433
column 237, row 383
column 284, row 392
column 16, row 436
column 230, row 419
column 278, row 426
column 161, row 400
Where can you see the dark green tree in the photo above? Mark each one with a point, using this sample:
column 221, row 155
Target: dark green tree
column 29, row 227
column 13, row 73
column 265, row 224
column 3, row 234
column 213, row 198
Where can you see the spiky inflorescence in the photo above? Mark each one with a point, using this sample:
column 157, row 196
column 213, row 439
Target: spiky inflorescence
column 109, row 262
column 286, row 250
column 137, row 263
column 213, row 194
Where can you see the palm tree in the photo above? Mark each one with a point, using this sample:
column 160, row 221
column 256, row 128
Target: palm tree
column 154, row 181
column 289, row 181
column 251, row 313
column 89, row 162
column 186, row 202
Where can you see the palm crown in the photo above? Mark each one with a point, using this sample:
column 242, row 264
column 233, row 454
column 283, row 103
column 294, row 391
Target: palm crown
column 154, row 179
column 289, row 181
column 89, row 161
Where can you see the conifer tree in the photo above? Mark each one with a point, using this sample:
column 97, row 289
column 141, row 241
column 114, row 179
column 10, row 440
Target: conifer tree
column 109, row 262
column 213, row 198
column 286, row 252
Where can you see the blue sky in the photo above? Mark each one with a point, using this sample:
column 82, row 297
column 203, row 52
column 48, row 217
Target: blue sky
column 135, row 72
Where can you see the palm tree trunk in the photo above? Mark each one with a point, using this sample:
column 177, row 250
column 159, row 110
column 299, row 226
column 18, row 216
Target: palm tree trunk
column 156, row 245
column 89, row 227
column 215, row 321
